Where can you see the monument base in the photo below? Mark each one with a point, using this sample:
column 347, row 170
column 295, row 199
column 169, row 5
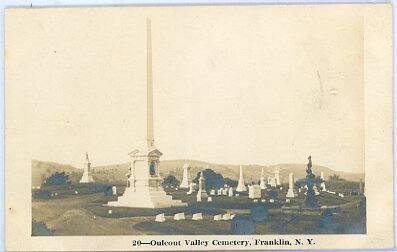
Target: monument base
column 87, row 179
column 290, row 193
column 241, row 188
column 146, row 199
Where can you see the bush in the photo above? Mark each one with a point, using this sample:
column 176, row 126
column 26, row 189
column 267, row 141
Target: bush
column 57, row 178
column 212, row 179
column 170, row 181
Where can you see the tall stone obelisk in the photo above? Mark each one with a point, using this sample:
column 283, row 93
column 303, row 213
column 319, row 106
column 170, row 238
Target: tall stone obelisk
column 241, row 185
column 87, row 178
column 144, row 189
column 290, row 193
column 186, row 176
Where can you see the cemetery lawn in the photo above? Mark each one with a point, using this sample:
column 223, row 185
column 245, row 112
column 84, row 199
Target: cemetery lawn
column 85, row 213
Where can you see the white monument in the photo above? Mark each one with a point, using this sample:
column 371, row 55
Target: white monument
column 192, row 188
column 231, row 192
column 277, row 177
column 241, row 186
column 114, row 190
column 323, row 183
column 254, row 192
column 197, row 216
column 186, row 176
column 160, row 218
column 144, row 189
column 290, row 193
column 87, row 178
column 179, row 216
column 273, row 182
column 262, row 183
column 201, row 189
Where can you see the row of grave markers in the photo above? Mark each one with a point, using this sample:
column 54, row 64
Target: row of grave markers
column 196, row 216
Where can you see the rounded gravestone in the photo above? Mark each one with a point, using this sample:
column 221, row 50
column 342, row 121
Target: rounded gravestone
column 259, row 213
column 242, row 226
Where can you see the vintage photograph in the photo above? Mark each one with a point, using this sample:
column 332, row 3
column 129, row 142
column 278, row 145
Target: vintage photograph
column 196, row 124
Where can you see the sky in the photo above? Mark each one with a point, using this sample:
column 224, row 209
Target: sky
column 232, row 85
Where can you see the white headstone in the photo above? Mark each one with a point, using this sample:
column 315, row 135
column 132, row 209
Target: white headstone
column 218, row 217
column 226, row 216
column 237, row 194
column 209, row 199
column 225, row 191
column 114, row 190
column 76, row 192
column 263, row 200
column 231, row 192
column 219, row 192
column 192, row 188
column 254, row 192
column 232, row 216
column 179, row 216
column 201, row 189
column 277, row 177
column 186, row 177
column 255, row 201
column 212, row 192
column 241, row 185
column 197, row 216
column 290, row 193
column 110, row 211
column 287, row 200
column 160, row 218
column 271, row 200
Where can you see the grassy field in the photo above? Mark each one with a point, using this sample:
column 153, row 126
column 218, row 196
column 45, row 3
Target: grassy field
column 66, row 213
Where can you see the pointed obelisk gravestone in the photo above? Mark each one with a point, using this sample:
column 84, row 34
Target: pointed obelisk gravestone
column 144, row 189
column 262, row 183
column 186, row 177
column 87, row 178
column 241, row 185
column 323, row 183
column 290, row 193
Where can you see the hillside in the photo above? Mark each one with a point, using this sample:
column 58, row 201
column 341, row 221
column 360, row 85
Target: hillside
column 116, row 173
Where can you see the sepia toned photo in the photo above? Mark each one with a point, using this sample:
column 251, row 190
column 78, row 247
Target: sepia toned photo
column 155, row 124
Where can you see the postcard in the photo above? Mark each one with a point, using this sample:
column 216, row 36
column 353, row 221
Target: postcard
column 241, row 127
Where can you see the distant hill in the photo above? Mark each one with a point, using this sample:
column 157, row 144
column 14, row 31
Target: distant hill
column 116, row 173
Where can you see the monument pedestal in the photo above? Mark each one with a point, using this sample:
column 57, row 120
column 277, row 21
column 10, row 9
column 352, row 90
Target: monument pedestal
column 290, row 193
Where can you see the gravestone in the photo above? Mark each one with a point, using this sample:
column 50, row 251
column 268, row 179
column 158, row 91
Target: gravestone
column 114, row 190
column 110, row 211
column 290, row 193
column 212, row 192
column 209, row 199
column 218, row 217
column 231, row 192
column 323, row 183
column 287, row 200
column 219, row 192
column 254, row 192
column 271, row 200
column 186, row 177
column 192, row 188
column 197, row 216
column 160, row 218
column 241, row 185
column 232, row 216
column 179, row 216
column 226, row 216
